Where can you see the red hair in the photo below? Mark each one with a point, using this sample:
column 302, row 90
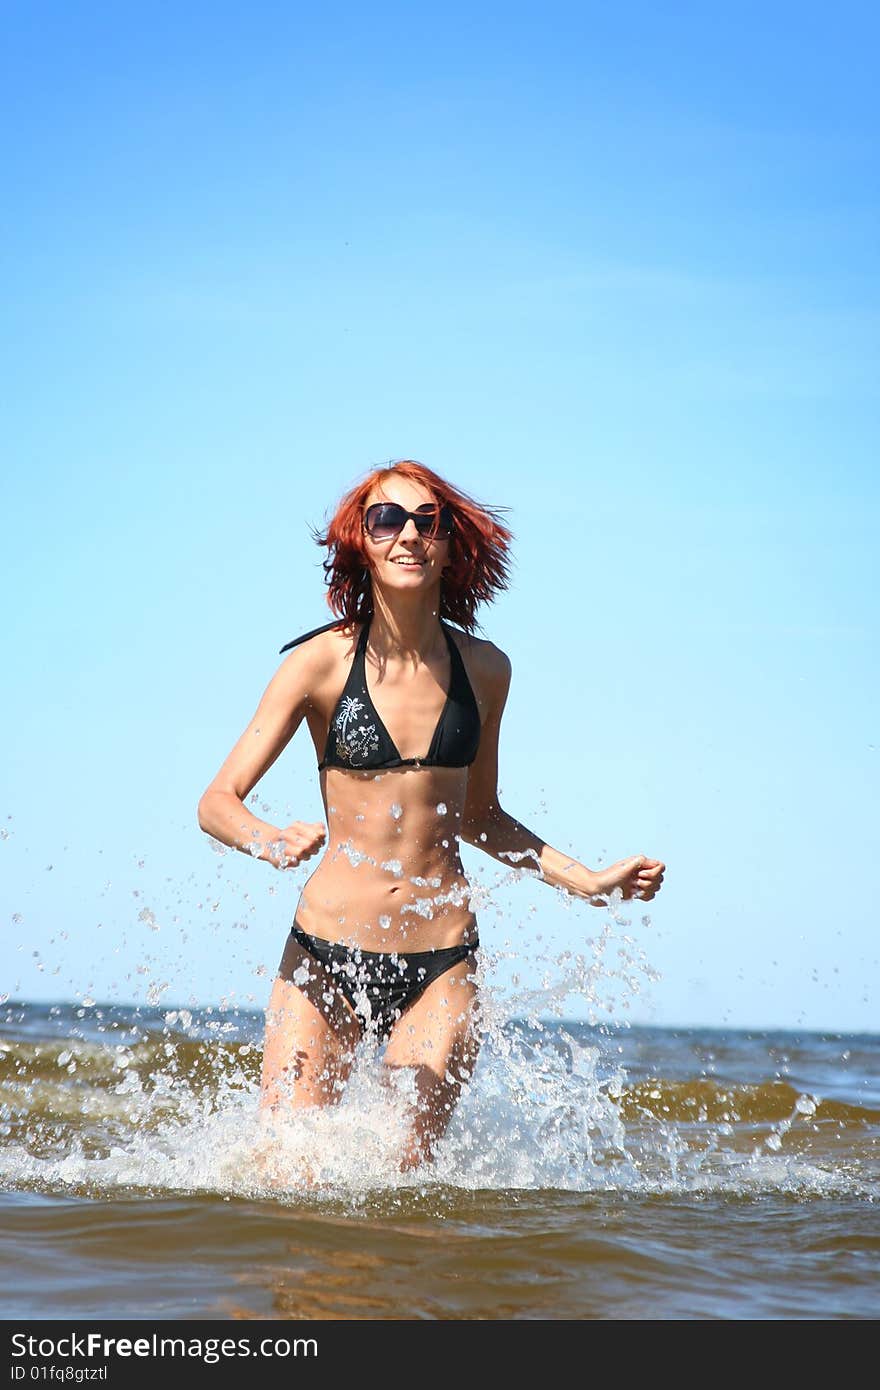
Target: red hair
column 479, row 551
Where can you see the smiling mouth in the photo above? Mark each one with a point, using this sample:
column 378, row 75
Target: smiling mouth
column 407, row 563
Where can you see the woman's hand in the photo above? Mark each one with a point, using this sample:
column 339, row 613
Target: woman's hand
column 637, row 877
column 295, row 843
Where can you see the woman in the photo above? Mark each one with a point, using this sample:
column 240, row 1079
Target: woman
column 404, row 712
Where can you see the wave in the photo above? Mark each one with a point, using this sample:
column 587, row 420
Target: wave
column 167, row 1105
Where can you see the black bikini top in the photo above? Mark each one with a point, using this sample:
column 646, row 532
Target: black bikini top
column 357, row 738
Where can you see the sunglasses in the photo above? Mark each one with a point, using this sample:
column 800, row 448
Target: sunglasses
column 383, row 520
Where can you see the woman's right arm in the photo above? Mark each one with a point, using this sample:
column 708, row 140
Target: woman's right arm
column 222, row 812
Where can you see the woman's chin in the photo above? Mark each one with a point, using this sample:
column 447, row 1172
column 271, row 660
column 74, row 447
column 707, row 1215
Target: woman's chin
column 404, row 579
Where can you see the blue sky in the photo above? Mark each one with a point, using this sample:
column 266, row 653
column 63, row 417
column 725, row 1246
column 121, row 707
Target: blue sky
column 616, row 271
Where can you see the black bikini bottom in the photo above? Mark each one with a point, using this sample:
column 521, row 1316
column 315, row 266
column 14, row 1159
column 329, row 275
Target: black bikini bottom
column 380, row 985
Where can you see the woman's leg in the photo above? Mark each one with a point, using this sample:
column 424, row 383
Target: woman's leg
column 311, row 1032
column 437, row 1038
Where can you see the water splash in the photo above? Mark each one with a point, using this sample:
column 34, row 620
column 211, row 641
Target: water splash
column 106, row 1099
column 170, row 1102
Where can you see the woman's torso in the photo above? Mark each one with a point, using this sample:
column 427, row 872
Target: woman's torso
column 391, row 878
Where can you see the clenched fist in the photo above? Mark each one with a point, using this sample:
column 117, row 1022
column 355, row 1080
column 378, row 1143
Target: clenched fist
column 295, row 843
column 637, row 877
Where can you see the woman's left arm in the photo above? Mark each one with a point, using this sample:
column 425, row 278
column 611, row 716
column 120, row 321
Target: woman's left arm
column 488, row 827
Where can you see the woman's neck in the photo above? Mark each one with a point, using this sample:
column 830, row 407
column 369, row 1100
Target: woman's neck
column 404, row 629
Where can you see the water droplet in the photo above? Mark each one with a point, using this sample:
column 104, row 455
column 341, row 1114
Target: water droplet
column 423, row 907
column 441, row 808
column 353, row 855
column 396, row 810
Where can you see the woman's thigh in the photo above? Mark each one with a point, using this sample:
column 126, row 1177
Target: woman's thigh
column 311, row 1034
column 438, row 1036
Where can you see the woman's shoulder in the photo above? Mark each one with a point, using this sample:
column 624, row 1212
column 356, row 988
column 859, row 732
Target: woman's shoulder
column 323, row 646
column 484, row 655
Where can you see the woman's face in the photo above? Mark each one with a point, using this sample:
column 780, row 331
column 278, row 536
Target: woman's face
column 408, row 561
